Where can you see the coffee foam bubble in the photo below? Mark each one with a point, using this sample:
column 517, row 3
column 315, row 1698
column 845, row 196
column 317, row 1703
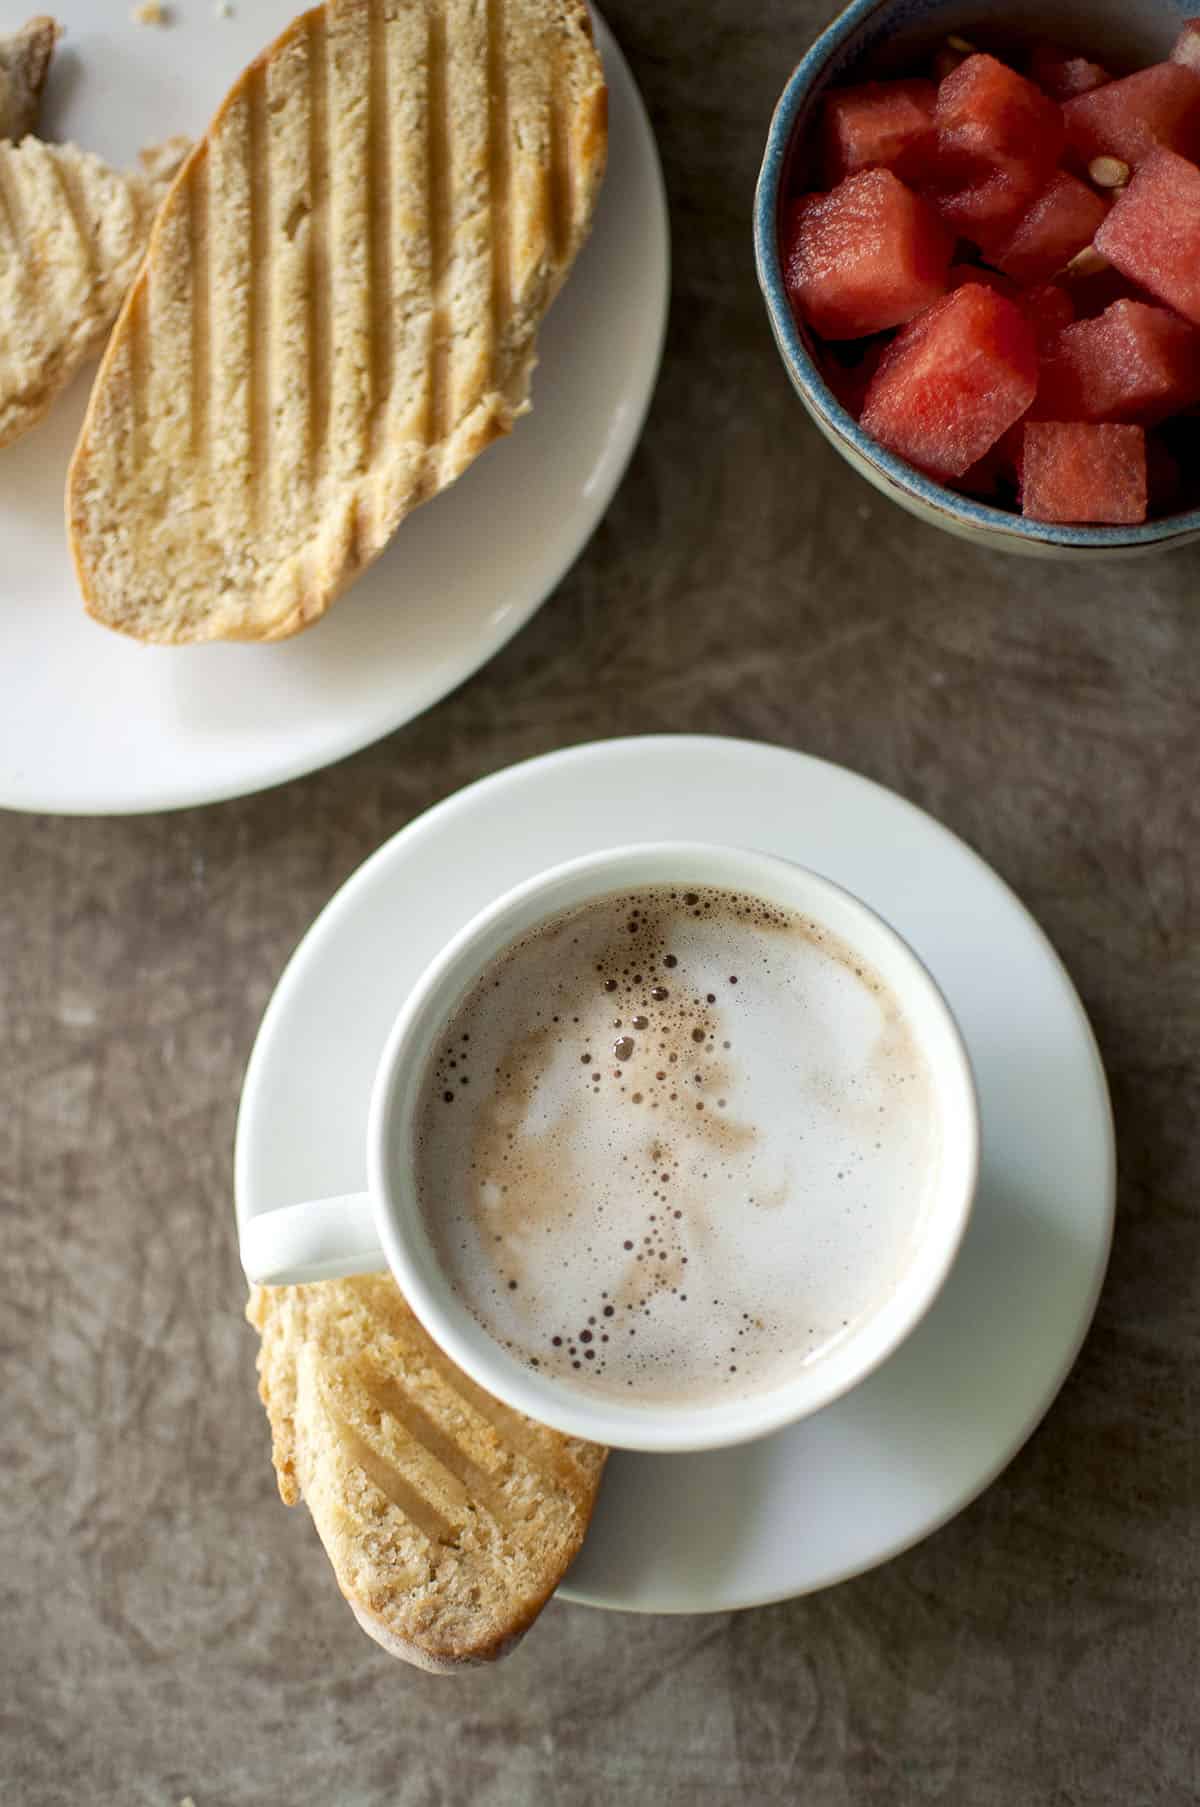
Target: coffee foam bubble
column 675, row 1143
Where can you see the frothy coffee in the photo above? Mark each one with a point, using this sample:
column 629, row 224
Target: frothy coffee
column 677, row 1142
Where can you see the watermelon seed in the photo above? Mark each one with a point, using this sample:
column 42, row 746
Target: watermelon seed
column 1087, row 262
column 1108, row 172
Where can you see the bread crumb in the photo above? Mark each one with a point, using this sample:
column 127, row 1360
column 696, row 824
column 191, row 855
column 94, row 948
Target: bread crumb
column 149, row 12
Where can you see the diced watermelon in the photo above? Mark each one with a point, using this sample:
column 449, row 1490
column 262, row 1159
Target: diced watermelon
column 1048, row 308
column 878, row 125
column 1187, row 45
column 1065, row 217
column 953, row 381
column 998, row 140
column 1135, row 363
column 1047, row 305
column 1152, row 234
column 1128, row 118
column 1075, row 471
column 867, row 256
column 1061, row 76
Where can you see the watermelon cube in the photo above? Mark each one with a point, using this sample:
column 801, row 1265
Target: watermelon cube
column 1075, row 471
column 1062, row 77
column 998, row 140
column 953, row 381
column 1065, row 217
column 1127, row 119
column 1048, row 308
column 1134, row 363
column 1047, row 305
column 1187, row 45
column 878, row 125
column 1152, row 234
column 867, row 256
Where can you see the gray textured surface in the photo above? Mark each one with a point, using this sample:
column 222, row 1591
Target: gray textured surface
column 167, row 1627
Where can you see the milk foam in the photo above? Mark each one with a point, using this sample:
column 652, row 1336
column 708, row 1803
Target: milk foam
column 677, row 1142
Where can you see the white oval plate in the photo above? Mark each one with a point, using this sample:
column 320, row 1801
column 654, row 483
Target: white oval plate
column 94, row 724
column 909, row 1448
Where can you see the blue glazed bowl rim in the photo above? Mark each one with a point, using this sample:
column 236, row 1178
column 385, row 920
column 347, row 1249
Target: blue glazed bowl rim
column 806, row 373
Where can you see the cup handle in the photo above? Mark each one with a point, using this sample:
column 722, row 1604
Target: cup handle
column 324, row 1239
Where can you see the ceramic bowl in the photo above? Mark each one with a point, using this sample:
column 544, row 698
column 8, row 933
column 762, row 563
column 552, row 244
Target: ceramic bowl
column 881, row 37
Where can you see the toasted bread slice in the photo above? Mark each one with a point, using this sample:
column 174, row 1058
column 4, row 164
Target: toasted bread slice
column 448, row 1518
column 338, row 308
column 72, row 234
column 24, row 65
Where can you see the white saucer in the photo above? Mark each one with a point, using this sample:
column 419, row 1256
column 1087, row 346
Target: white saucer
column 94, row 724
column 898, row 1457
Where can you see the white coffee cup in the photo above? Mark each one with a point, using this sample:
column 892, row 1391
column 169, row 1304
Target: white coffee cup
column 384, row 1228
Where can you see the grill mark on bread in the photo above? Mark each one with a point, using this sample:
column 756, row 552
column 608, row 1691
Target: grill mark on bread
column 395, row 1489
column 438, row 214
column 201, row 338
column 379, row 208
column 499, row 175
column 168, row 285
column 559, row 178
column 258, row 295
column 400, row 426
column 11, row 211
column 232, row 342
column 467, row 1474
column 354, row 530
column 350, row 240
column 289, row 225
column 514, row 1432
column 73, row 202
column 319, row 324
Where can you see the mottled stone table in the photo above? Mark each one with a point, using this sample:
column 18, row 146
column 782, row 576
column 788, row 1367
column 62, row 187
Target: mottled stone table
column 168, row 1629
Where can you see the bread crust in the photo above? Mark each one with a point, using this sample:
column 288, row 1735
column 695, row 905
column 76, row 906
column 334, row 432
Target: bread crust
column 338, row 308
column 25, row 58
column 448, row 1519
